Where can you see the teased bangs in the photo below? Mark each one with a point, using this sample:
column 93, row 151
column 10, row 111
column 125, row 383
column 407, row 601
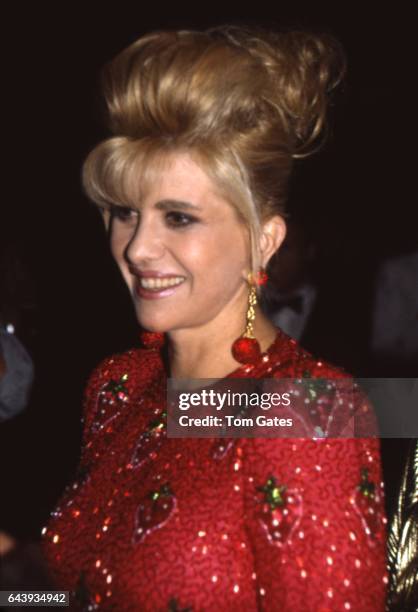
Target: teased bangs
column 120, row 171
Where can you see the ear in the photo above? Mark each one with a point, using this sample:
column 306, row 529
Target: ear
column 273, row 232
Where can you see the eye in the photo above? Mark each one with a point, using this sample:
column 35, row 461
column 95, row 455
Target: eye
column 179, row 219
column 123, row 213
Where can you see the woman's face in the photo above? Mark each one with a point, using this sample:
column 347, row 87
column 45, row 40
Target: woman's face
column 183, row 252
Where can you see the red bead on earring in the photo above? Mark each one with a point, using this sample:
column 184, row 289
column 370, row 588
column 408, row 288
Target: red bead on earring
column 246, row 350
column 261, row 277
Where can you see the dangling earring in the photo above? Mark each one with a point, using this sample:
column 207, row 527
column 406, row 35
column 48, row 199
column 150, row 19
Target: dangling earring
column 246, row 349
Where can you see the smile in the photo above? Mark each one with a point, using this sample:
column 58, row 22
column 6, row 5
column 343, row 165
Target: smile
column 160, row 283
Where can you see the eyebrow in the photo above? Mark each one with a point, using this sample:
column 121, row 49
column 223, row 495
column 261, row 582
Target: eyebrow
column 176, row 204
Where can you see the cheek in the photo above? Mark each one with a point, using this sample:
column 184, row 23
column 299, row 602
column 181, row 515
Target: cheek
column 219, row 259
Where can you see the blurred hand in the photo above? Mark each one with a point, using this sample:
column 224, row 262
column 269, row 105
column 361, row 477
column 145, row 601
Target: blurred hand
column 7, row 543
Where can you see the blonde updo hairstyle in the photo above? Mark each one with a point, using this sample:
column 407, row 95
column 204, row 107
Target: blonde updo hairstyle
column 243, row 103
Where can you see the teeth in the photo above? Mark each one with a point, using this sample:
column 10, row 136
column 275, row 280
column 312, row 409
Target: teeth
column 160, row 283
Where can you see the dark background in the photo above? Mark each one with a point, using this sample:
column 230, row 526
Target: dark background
column 354, row 195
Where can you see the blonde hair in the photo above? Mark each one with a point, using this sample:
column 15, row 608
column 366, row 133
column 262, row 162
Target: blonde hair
column 244, row 103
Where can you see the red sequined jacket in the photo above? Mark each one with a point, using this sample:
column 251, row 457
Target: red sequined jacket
column 154, row 523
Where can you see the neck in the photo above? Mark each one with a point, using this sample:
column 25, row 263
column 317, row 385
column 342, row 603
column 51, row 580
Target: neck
column 205, row 352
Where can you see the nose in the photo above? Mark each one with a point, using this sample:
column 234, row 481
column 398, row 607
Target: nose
column 146, row 244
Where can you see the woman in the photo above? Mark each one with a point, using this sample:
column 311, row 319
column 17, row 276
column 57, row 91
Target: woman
column 192, row 186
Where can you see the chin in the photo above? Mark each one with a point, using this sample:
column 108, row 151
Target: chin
column 154, row 325
column 153, row 328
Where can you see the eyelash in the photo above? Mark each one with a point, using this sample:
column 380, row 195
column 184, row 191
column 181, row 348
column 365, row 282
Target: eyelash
column 122, row 213
column 174, row 219
column 183, row 220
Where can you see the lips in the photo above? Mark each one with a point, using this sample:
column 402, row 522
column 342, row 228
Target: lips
column 151, row 284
